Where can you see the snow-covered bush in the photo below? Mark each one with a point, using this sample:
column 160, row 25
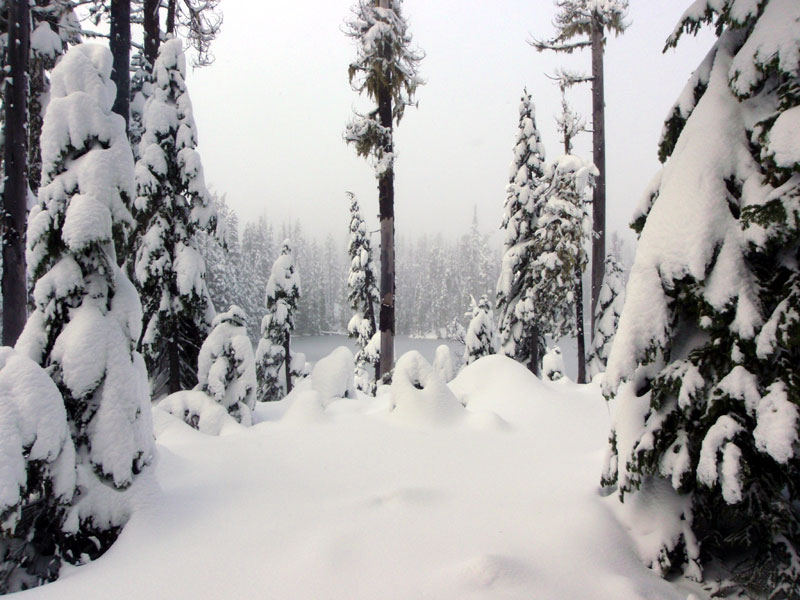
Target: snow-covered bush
column 363, row 296
column 332, row 376
column 521, row 336
column 444, row 363
column 609, row 308
column 37, row 473
column 553, row 364
column 419, row 394
column 171, row 207
column 704, row 363
column 87, row 316
column 282, row 295
column 481, row 338
column 226, row 367
column 200, row 411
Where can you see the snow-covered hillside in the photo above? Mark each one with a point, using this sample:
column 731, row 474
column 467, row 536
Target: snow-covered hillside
column 408, row 495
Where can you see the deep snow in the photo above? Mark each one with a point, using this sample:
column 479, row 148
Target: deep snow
column 350, row 499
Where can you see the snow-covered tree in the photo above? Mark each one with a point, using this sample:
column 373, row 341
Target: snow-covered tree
column 87, row 315
column 609, row 309
column 553, row 364
column 481, row 338
column 705, row 357
column 226, row 367
column 362, row 293
column 38, row 475
column 386, row 69
column 172, row 206
column 274, row 350
column 521, row 334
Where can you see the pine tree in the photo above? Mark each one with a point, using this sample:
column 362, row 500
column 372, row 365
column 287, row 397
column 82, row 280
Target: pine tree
column 226, row 368
column 172, row 206
column 386, row 69
column 481, row 338
column 87, row 314
column 609, row 309
column 521, row 329
column 362, row 295
column 591, row 19
column 706, row 353
column 274, row 349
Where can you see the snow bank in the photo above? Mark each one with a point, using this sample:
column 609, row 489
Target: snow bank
column 332, row 376
column 420, row 395
column 202, row 412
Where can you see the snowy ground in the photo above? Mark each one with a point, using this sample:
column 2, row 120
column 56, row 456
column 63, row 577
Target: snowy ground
column 349, row 499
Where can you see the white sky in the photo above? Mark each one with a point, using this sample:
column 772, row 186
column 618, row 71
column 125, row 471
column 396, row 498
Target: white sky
column 272, row 108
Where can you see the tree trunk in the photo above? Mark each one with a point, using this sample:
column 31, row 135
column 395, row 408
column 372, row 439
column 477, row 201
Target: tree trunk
column 38, row 95
column 171, row 16
column 15, row 195
column 579, row 321
column 599, row 158
column 386, row 216
column 151, row 33
column 174, row 359
column 120, row 44
column 533, row 363
column 287, row 363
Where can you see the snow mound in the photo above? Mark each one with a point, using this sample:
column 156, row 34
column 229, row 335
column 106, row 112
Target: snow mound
column 305, row 407
column 420, row 395
column 553, row 364
column 444, row 363
column 332, row 376
column 494, row 571
column 202, row 413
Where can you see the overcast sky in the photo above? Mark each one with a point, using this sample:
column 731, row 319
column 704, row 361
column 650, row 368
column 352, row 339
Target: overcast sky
column 272, row 108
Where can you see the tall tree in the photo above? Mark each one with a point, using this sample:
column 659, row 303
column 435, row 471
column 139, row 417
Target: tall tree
column 172, row 206
column 15, row 189
column 87, row 314
column 481, row 337
column 120, row 44
column 152, row 33
column 704, row 364
column 386, row 69
column 589, row 20
column 521, row 329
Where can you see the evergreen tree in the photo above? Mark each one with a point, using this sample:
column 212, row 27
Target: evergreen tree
column 274, row 349
column 609, row 309
column 226, row 368
column 172, row 206
column 386, row 69
column 87, row 314
column 141, row 90
column 362, row 295
column 706, row 354
column 481, row 338
column 521, row 329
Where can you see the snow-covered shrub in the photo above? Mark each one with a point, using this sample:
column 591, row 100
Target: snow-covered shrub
column 481, row 338
column 282, row 295
column 704, row 363
column 609, row 308
column 171, row 207
column 553, row 364
column 521, row 336
column 37, row 473
column 444, row 363
column 202, row 412
column 363, row 296
column 87, row 316
column 419, row 394
column 226, row 367
column 332, row 376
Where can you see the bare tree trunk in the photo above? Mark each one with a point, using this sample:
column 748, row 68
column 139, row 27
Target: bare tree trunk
column 599, row 159
column 386, row 216
column 151, row 33
column 533, row 363
column 38, row 92
column 120, row 44
column 579, row 321
column 174, row 360
column 288, row 365
column 15, row 196
column 171, row 16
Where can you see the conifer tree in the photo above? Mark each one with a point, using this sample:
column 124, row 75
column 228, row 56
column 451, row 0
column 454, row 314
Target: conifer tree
column 87, row 314
column 481, row 338
column 706, row 354
column 226, row 368
column 172, row 206
column 521, row 329
column 609, row 309
column 362, row 294
column 386, row 69
column 274, row 349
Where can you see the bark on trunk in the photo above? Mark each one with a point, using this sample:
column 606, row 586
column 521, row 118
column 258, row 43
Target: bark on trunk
column 151, row 33
column 16, row 174
column 599, row 158
column 120, row 44
column 533, row 363
column 579, row 320
column 171, row 16
column 287, row 363
column 173, row 356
